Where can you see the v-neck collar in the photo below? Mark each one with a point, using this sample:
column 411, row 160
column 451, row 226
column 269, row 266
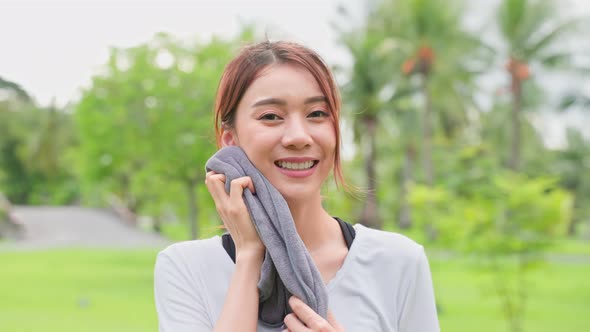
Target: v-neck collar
column 342, row 271
column 349, row 259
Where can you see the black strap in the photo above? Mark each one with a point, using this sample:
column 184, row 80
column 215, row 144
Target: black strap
column 347, row 231
column 229, row 246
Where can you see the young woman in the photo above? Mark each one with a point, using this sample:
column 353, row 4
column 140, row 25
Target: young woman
column 279, row 103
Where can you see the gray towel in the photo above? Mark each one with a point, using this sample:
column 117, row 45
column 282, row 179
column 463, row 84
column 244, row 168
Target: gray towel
column 287, row 268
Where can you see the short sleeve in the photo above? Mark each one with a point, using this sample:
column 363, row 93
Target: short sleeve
column 419, row 311
column 178, row 301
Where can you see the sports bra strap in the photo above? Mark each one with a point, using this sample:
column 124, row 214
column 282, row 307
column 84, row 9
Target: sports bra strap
column 347, row 231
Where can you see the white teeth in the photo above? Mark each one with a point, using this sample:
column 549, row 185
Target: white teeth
column 295, row 166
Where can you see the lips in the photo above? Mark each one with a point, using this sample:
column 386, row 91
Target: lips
column 297, row 169
column 296, row 165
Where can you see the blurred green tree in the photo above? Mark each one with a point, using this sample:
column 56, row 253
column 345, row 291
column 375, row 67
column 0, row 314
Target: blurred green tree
column 504, row 225
column 572, row 165
column 367, row 97
column 441, row 59
column 33, row 169
column 145, row 124
column 533, row 33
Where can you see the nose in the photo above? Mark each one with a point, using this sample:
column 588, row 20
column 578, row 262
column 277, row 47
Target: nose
column 296, row 134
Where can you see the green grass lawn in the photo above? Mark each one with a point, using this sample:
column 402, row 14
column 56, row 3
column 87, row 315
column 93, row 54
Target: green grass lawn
column 77, row 290
column 91, row 290
column 558, row 300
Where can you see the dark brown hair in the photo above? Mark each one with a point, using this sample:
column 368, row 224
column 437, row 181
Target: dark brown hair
column 249, row 63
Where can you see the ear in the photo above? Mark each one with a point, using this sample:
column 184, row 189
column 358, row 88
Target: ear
column 228, row 137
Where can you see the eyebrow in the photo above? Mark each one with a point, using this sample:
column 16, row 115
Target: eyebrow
column 282, row 102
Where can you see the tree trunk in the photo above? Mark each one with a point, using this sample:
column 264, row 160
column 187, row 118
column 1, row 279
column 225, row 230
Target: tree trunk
column 191, row 187
column 427, row 151
column 157, row 225
column 427, row 163
column 514, row 161
column 405, row 211
column 576, row 218
column 369, row 215
column 586, row 234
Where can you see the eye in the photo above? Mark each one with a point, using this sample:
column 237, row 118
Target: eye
column 318, row 114
column 269, row 117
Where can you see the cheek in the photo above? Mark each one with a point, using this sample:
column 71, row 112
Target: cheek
column 258, row 147
column 254, row 137
column 326, row 137
column 252, row 132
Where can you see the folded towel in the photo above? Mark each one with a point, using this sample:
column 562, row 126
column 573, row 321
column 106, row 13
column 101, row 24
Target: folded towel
column 288, row 267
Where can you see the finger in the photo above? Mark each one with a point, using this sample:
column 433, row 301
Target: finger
column 208, row 175
column 215, row 182
column 246, row 182
column 294, row 324
column 251, row 186
column 237, row 188
column 216, row 185
column 307, row 315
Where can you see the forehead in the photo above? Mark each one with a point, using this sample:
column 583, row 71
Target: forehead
column 283, row 81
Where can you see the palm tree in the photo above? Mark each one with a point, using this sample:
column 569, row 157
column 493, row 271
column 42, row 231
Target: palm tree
column 407, row 120
column 441, row 55
column 575, row 100
column 361, row 97
column 415, row 30
column 372, row 92
column 14, row 88
column 531, row 31
column 572, row 164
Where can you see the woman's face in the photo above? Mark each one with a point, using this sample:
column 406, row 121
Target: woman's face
column 284, row 126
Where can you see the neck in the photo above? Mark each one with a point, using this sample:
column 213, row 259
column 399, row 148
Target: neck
column 314, row 225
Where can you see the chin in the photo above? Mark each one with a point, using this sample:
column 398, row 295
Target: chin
column 293, row 193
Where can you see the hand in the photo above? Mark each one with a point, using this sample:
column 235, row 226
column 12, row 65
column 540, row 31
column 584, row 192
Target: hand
column 234, row 213
column 305, row 319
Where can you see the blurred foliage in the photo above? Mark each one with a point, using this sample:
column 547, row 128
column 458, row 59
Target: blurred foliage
column 33, row 141
column 145, row 125
column 508, row 215
column 572, row 165
column 534, row 37
column 505, row 225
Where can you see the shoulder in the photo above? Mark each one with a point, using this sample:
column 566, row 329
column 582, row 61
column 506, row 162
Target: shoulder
column 187, row 256
column 387, row 246
column 400, row 244
column 181, row 292
column 179, row 249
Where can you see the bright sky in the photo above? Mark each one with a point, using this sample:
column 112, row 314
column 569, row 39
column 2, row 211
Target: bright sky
column 53, row 47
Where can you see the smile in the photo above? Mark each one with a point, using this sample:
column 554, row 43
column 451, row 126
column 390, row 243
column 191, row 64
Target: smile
column 296, row 166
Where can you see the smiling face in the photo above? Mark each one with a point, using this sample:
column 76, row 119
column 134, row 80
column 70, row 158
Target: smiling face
column 285, row 127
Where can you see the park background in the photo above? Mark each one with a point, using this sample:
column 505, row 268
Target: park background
column 466, row 126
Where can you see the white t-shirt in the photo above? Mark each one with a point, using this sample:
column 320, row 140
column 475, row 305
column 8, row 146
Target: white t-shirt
column 384, row 285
